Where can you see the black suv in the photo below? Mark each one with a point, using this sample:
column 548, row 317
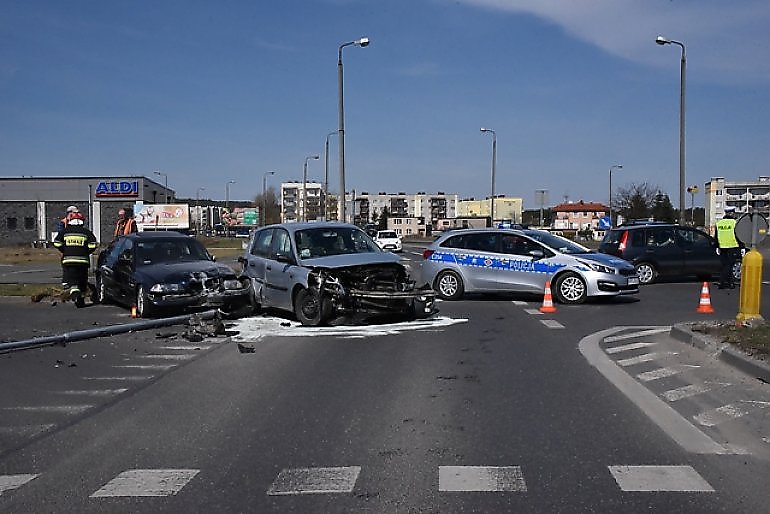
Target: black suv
column 664, row 249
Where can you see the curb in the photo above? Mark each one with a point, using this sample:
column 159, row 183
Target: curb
column 724, row 351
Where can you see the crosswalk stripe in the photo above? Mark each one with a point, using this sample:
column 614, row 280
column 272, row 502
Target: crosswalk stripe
column 146, row 482
column 649, row 376
column 728, row 412
column 10, row 482
column 633, row 335
column 535, row 312
column 628, row 347
column 687, row 391
column 520, row 303
column 659, row 478
column 315, row 481
column 551, row 323
column 647, row 357
column 481, row 478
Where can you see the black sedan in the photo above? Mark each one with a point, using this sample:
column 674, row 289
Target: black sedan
column 155, row 271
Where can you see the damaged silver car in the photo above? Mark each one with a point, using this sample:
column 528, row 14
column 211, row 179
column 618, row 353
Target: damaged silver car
column 321, row 271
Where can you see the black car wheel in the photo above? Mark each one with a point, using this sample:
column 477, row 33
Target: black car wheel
column 143, row 305
column 449, row 285
column 570, row 288
column 101, row 291
column 312, row 308
column 647, row 272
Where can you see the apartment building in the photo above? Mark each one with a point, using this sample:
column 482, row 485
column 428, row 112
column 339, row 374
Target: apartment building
column 429, row 207
column 300, row 203
column 506, row 208
column 745, row 196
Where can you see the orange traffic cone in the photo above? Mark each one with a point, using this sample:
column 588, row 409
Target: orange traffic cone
column 547, row 299
column 705, row 300
column 133, row 311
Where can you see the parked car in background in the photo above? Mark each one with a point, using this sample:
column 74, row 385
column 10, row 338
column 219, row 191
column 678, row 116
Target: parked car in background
column 168, row 271
column 388, row 240
column 505, row 260
column 323, row 270
column 665, row 250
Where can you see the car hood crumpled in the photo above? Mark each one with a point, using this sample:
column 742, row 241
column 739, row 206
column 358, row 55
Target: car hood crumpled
column 179, row 271
column 607, row 260
column 351, row 259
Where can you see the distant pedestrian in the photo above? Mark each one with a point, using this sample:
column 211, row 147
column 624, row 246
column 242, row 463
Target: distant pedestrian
column 63, row 222
column 126, row 223
column 729, row 249
column 76, row 243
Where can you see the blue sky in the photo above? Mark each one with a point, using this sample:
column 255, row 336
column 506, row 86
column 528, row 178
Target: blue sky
column 208, row 92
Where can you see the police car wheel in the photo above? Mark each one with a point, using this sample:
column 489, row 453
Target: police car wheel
column 570, row 288
column 449, row 285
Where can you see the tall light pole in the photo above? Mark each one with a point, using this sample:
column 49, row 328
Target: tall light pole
column 682, row 74
column 326, row 173
column 363, row 42
column 494, row 165
column 263, row 215
column 227, row 194
column 165, row 183
column 304, row 185
column 541, row 193
column 613, row 167
column 198, row 210
column 693, row 190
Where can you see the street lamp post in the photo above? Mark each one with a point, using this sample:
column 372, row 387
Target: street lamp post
column 541, row 200
column 326, row 174
column 304, row 185
column 227, row 194
column 682, row 74
column 165, row 183
column 619, row 167
column 494, row 165
column 363, row 42
column 198, row 210
column 263, row 217
column 693, row 190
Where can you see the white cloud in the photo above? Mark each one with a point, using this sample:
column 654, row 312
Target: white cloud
column 728, row 40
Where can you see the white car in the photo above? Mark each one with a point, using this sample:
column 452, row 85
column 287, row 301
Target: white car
column 388, row 240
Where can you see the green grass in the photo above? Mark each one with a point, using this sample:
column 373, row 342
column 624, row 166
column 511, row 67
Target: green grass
column 754, row 340
column 31, row 290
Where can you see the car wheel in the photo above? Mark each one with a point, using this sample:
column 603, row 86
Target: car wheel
column 449, row 285
column 570, row 288
column 101, row 291
column 647, row 272
column 311, row 308
column 143, row 306
column 737, row 271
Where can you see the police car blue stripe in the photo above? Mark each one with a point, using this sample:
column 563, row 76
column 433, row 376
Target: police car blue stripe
column 481, row 261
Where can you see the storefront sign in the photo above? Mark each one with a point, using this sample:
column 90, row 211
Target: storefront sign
column 113, row 188
column 161, row 216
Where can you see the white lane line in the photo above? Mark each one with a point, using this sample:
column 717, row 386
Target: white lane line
column 633, row 335
column 481, row 478
column 551, row 323
column 520, row 303
column 170, row 357
column 131, row 378
column 687, row 391
column 535, row 312
column 64, row 409
column 92, row 392
column 659, row 478
column 656, row 374
column 315, row 481
column 628, row 347
column 647, row 357
column 191, row 347
column 728, row 412
column 146, row 366
column 146, row 482
column 11, row 482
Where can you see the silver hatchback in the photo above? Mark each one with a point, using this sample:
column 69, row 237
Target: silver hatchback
column 503, row 260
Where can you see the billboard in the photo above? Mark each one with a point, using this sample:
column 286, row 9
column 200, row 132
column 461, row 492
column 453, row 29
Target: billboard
column 174, row 216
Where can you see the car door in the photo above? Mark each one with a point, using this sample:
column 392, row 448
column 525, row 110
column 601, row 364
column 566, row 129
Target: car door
column 123, row 273
column 281, row 270
column 699, row 249
column 107, row 263
column 517, row 272
column 256, row 261
column 477, row 254
column 664, row 251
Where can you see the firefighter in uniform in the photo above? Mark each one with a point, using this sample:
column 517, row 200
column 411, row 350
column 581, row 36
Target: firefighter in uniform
column 729, row 249
column 76, row 243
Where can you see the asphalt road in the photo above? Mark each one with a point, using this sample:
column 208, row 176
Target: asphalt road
column 490, row 407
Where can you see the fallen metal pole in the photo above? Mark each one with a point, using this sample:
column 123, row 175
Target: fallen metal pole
column 79, row 335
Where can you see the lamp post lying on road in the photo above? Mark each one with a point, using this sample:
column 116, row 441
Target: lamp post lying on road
column 494, row 165
column 619, row 167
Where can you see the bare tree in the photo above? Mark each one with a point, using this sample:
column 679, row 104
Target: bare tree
column 636, row 201
column 273, row 214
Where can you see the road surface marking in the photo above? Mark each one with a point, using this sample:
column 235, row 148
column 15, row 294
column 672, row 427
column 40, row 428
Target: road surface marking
column 147, row 482
column 65, row 409
column 481, row 478
column 647, row 357
column 728, row 412
column 687, row 391
column 659, row 478
column 11, row 482
column 656, row 374
column 520, row 303
column 633, row 335
column 146, row 366
column 92, row 392
column 191, row 347
column 170, row 357
column 315, row 481
column 627, row 347
column 551, row 323
column 132, row 377
column 536, row 312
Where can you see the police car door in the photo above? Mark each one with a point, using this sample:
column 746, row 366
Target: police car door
column 477, row 255
column 519, row 271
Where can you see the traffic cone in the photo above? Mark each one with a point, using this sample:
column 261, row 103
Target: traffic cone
column 547, row 299
column 133, row 311
column 705, row 300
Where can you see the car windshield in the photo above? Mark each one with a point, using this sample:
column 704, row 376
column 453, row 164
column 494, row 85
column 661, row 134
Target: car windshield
column 325, row 241
column 388, row 235
column 558, row 243
column 170, row 250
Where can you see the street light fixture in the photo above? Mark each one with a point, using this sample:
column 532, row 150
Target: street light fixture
column 165, row 183
column 363, row 42
column 198, row 210
column 494, row 165
column 304, row 185
column 227, row 194
column 263, row 217
column 326, row 174
column 619, row 167
column 682, row 75
column 541, row 194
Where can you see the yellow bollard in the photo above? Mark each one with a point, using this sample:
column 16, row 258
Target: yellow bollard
column 751, row 287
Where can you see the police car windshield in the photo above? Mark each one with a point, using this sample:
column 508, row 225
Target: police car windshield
column 557, row 243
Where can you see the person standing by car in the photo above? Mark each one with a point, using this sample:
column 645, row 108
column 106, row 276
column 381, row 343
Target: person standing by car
column 76, row 243
column 729, row 250
column 126, row 223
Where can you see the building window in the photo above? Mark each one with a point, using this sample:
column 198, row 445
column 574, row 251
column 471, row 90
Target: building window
column 29, row 223
column 11, row 223
column 718, row 192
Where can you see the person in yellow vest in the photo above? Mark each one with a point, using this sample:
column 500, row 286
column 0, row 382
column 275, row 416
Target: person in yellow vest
column 729, row 249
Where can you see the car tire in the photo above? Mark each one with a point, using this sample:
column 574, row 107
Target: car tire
column 143, row 306
column 312, row 308
column 647, row 272
column 101, row 292
column 570, row 288
column 737, row 270
column 449, row 286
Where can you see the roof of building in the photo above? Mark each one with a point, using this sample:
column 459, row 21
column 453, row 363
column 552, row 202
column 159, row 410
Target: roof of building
column 580, row 206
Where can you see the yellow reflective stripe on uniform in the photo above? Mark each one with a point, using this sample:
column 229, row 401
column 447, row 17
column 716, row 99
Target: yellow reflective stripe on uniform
column 57, row 244
column 75, row 260
column 92, row 246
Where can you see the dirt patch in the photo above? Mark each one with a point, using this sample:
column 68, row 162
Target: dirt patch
column 753, row 338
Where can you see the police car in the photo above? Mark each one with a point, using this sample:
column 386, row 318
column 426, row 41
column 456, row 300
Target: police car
column 504, row 260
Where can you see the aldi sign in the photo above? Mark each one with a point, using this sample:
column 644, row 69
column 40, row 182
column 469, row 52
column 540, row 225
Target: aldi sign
column 113, row 188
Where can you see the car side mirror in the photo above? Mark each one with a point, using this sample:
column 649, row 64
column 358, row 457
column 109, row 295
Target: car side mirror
column 284, row 258
column 125, row 257
column 537, row 253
